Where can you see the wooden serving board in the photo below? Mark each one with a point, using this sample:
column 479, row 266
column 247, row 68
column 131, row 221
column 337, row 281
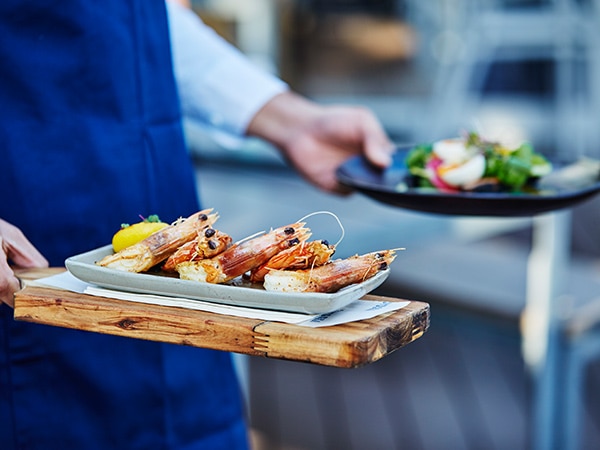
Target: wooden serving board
column 348, row 345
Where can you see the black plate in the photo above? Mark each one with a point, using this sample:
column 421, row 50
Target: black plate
column 567, row 185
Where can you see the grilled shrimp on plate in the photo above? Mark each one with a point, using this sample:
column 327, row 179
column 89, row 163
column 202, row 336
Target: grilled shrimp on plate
column 208, row 243
column 244, row 256
column 302, row 256
column 159, row 246
column 332, row 276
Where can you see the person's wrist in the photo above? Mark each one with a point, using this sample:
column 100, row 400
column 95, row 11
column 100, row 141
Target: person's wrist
column 283, row 118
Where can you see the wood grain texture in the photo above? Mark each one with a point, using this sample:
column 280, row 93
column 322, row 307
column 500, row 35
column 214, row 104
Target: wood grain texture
column 348, row 345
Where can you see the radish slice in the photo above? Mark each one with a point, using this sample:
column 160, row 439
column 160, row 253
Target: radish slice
column 432, row 169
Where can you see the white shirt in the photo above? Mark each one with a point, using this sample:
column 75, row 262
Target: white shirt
column 218, row 86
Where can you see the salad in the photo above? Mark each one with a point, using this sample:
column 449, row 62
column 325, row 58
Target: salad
column 472, row 163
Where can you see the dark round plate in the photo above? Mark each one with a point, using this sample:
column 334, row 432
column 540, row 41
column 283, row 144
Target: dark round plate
column 567, row 185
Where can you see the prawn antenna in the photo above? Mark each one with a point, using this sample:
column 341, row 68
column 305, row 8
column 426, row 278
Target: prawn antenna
column 343, row 232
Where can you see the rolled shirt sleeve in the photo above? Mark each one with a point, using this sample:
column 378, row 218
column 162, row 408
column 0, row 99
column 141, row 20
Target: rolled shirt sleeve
column 218, row 85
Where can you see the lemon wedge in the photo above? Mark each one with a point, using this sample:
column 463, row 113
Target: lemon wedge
column 132, row 234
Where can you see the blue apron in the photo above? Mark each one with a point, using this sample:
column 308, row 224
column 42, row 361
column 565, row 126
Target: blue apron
column 90, row 137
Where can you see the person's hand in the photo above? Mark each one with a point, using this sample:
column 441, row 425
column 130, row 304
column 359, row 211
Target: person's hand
column 317, row 139
column 15, row 247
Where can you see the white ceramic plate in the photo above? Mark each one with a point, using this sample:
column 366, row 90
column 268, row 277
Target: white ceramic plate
column 83, row 267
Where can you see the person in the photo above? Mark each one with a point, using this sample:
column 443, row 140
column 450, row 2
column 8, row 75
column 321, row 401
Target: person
column 91, row 137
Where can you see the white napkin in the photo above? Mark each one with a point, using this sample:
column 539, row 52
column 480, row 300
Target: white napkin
column 357, row 310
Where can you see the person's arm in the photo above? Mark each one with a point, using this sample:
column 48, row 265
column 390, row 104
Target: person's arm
column 185, row 3
column 218, row 85
column 15, row 248
column 221, row 87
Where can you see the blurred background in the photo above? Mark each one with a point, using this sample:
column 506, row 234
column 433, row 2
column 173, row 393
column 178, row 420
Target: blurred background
column 513, row 70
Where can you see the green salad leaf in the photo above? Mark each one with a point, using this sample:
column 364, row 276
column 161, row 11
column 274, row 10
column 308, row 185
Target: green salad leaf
column 418, row 157
column 512, row 168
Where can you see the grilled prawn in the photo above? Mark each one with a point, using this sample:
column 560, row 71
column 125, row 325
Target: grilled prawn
column 208, row 243
column 332, row 276
column 159, row 246
column 302, row 256
column 243, row 256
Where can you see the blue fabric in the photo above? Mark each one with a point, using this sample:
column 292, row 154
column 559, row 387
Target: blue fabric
column 90, row 137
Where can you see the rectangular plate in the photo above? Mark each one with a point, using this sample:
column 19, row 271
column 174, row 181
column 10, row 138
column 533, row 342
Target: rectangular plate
column 84, row 267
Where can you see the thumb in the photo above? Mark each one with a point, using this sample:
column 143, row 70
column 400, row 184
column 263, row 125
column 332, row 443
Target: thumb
column 377, row 146
column 379, row 151
column 17, row 248
column 24, row 254
column 9, row 284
